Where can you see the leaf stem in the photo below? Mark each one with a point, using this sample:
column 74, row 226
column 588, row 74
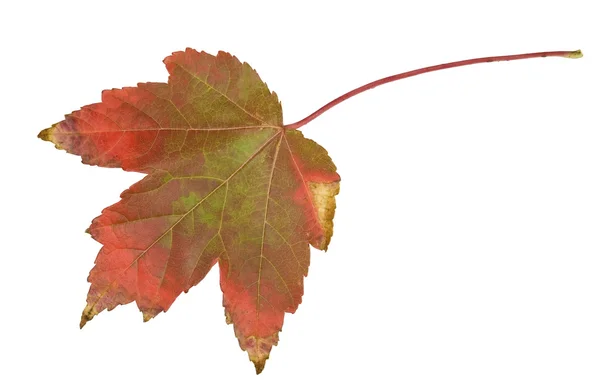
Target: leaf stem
column 389, row 79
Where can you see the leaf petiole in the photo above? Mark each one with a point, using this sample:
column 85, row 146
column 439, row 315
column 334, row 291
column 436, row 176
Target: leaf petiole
column 404, row 75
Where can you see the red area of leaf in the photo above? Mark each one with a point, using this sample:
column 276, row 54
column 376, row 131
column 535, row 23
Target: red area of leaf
column 225, row 183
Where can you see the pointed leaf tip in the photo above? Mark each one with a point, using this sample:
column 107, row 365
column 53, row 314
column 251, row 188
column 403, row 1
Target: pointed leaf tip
column 48, row 135
column 87, row 315
column 83, row 321
column 150, row 313
column 258, row 349
column 259, row 365
column 45, row 134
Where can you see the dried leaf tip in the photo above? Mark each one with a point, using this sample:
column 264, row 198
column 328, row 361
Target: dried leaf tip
column 149, row 314
column 84, row 319
column 574, row 54
column 258, row 349
column 87, row 315
column 259, row 365
column 45, row 134
column 48, row 135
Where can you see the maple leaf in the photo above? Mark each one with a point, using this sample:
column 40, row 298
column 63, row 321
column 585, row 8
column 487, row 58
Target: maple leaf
column 227, row 182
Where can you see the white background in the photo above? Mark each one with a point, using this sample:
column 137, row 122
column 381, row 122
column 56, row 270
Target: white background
column 466, row 252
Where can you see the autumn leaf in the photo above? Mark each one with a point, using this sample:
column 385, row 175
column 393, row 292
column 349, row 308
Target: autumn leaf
column 226, row 182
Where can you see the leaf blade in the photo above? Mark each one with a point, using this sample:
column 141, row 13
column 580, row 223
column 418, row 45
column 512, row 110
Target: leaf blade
column 225, row 184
